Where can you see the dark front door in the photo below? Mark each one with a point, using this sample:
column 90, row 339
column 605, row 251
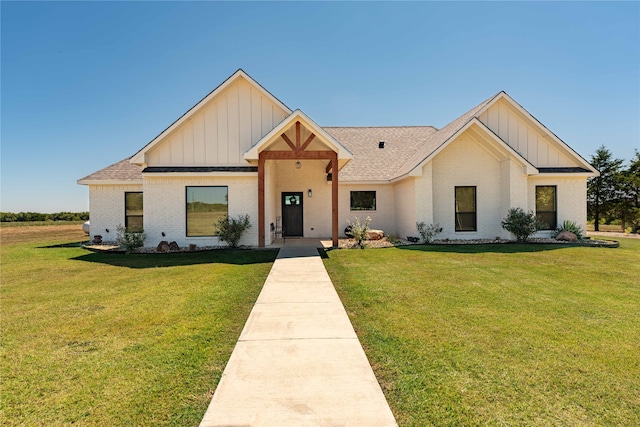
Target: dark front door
column 292, row 214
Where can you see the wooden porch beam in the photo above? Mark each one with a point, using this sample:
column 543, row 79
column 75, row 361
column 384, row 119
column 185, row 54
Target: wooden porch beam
column 297, row 155
column 307, row 142
column 334, row 198
column 297, row 135
column 328, row 168
column 261, row 159
column 288, row 141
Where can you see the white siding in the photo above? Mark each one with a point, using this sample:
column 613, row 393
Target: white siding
column 221, row 132
column 165, row 208
column 525, row 137
column 106, row 209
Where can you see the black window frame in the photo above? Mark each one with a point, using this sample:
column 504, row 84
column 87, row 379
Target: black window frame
column 351, row 200
column 186, row 206
column 127, row 216
column 466, row 213
column 543, row 216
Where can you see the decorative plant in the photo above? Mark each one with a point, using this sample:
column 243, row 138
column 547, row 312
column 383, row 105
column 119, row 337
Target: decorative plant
column 230, row 230
column 571, row 227
column 522, row 224
column 129, row 240
column 428, row 232
column 360, row 231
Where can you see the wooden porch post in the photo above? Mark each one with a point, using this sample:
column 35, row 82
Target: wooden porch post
column 261, row 200
column 334, row 198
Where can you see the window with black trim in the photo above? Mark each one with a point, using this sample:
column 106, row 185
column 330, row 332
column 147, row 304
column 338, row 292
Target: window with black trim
column 363, row 200
column 546, row 206
column 133, row 211
column 205, row 206
column 466, row 209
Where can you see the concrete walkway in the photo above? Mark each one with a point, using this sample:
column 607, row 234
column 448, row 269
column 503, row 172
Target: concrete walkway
column 298, row 361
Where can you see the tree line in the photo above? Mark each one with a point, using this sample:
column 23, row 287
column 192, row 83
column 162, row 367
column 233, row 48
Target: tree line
column 36, row 216
column 615, row 194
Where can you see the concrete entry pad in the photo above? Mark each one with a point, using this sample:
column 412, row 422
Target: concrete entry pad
column 298, row 361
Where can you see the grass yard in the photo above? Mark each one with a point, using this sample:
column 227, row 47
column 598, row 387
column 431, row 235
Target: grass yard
column 499, row 335
column 104, row 339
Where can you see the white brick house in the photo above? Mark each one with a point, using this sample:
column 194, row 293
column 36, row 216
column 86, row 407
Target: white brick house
column 242, row 151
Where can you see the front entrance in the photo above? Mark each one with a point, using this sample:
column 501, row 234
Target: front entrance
column 292, row 214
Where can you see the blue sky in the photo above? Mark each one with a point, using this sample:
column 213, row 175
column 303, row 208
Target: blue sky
column 86, row 84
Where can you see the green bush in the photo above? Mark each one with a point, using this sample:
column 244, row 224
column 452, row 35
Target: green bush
column 230, row 230
column 360, row 232
column 129, row 240
column 522, row 224
column 428, row 232
column 571, row 227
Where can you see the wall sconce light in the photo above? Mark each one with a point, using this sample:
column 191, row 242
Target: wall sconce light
column 106, row 229
column 298, row 164
column 309, row 193
column 329, row 177
column 163, row 234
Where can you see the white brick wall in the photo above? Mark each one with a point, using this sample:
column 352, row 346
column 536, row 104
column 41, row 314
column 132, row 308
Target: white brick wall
column 405, row 197
column 165, row 208
column 466, row 163
column 317, row 208
column 571, row 195
column 383, row 218
column 106, row 209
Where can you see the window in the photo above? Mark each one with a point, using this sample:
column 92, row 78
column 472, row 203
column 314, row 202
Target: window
column 466, row 209
column 133, row 210
column 363, row 200
column 546, row 208
column 205, row 206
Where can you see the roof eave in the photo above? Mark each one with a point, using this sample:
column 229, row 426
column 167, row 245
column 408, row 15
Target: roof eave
column 139, row 158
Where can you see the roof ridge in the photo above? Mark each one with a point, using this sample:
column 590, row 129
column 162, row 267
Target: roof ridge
column 448, row 131
column 380, row 127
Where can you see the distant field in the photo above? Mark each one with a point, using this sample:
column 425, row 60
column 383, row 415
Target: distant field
column 39, row 223
column 93, row 339
column 605, row 227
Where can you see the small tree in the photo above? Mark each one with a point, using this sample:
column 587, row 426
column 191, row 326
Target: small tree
column 129, row 240
column 360, row 231
column 428, row 232
column 602, row 189
column 522, row 224
column 230, row 230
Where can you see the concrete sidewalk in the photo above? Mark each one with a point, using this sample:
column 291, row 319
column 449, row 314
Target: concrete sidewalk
column 298, row 361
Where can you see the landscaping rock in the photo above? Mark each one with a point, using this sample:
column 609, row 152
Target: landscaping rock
column 376, row 234
column 567, row 236
column 163, row 246
column 173, row 246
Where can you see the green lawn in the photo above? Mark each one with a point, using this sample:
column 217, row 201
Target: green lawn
column 98, row 339
column 499, row 335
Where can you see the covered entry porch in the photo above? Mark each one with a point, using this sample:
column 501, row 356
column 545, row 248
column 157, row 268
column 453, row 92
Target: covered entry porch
column 298, row 164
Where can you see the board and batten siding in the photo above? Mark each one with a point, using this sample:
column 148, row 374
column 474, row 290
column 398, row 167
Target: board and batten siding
column 221, row 132
column 512, row 127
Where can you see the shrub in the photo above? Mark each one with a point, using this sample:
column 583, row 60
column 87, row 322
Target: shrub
column 428, row 232
column 129, row 240
column 571, row 227
column 522, row 224
column 230, row 230
column 360, row 232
